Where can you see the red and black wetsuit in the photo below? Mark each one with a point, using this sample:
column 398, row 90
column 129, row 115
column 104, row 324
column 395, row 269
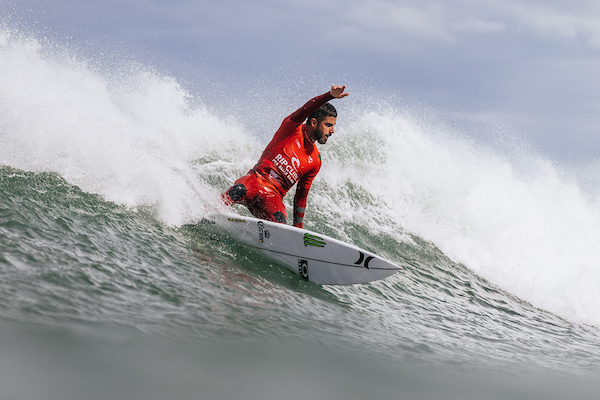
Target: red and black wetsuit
column 291, row 157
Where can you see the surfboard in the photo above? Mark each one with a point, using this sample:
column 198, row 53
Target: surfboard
column 314, row 257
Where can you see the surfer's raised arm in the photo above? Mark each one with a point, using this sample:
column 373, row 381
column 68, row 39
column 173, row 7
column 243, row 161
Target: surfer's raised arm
column 336, row 92
column 291, row 156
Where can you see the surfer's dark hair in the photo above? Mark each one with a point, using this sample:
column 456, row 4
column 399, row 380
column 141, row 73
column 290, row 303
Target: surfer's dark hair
column 326, row 110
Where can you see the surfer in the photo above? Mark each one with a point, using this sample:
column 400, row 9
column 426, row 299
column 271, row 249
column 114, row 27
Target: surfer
column 291, row 157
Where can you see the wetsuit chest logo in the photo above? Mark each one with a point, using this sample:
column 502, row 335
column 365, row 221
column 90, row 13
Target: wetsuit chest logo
column 295, row 162
column 288, row 168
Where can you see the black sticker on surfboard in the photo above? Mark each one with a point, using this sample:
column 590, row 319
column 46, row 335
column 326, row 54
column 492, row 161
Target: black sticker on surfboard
column 303, row 268
column 262, row 232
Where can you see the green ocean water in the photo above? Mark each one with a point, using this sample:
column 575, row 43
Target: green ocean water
column 100, row 301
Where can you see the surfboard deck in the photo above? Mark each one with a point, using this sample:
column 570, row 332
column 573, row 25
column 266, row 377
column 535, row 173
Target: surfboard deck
column 314, row 257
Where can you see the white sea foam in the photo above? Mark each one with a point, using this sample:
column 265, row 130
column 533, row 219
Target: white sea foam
column 522, row 224
column 129, row 136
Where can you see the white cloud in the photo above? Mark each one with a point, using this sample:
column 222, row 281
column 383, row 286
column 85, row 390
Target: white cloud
column 558, row 20
column 387, row 18
column 440, row 21
column 478, row 26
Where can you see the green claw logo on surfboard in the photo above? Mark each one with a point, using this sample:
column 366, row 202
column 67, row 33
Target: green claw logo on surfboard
column 312, row 240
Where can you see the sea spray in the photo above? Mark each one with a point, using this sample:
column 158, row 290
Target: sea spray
column 130, row 135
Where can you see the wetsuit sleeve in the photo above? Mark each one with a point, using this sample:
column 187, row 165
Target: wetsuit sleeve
column 312, row 105
column 294, row 120
column 302, row 190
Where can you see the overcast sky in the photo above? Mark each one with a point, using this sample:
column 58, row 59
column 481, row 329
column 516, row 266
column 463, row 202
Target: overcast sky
column 532, row 66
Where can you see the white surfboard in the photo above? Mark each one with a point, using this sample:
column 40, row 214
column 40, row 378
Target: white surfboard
column 315, row 257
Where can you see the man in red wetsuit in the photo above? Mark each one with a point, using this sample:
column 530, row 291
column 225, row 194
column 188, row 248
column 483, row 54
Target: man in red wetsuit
column 291, row 157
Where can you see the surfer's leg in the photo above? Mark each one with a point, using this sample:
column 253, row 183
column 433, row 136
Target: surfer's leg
column 280, row 217
column 262, row 201
column 244, row 188
column 235, row 193
column 274, row 209
column 268, row 206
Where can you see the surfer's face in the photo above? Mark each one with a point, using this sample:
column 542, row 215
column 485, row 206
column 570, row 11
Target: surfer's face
column 324, row 129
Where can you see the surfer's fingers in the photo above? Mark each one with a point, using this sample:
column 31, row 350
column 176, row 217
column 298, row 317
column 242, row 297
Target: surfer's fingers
column 338, row 91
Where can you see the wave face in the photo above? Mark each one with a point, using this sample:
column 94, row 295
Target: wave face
column 100, row 169
column 520, row 223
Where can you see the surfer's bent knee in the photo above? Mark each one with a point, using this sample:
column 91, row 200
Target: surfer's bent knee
column 234, row 194
column 280, row 217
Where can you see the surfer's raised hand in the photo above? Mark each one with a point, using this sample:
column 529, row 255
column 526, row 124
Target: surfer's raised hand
column 338, row 91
